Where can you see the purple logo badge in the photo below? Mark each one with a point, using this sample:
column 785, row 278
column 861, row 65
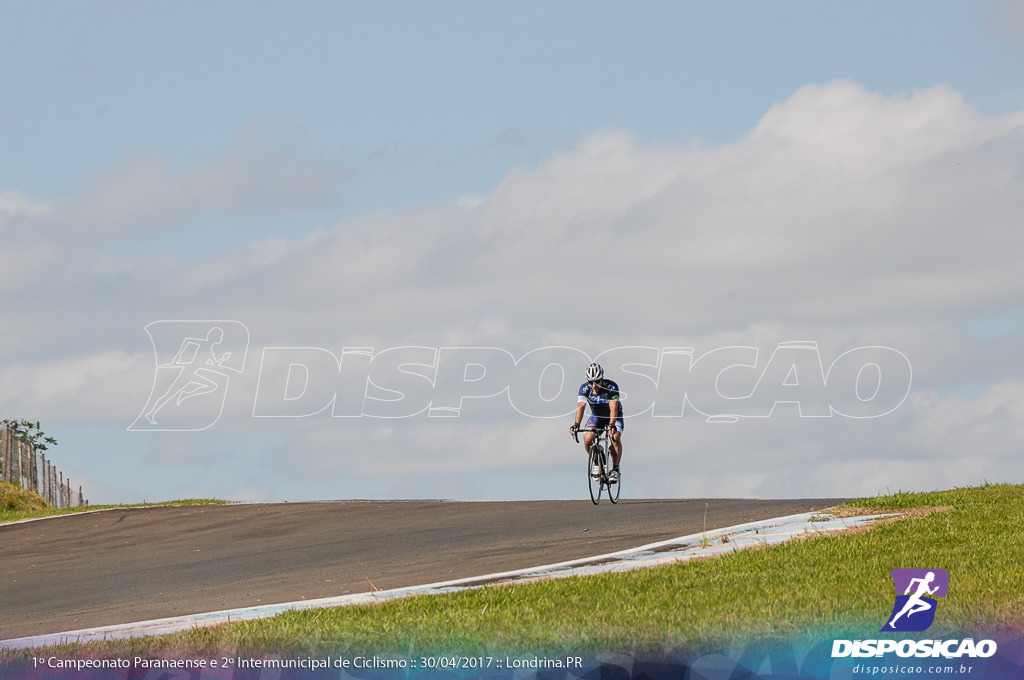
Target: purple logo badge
column 916, row 590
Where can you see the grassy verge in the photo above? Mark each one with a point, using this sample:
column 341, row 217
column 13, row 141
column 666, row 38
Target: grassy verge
column 14, row 499
column 837, row 584
column 18, row 504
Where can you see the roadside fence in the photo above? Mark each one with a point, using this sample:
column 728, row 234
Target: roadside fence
column 22, row 465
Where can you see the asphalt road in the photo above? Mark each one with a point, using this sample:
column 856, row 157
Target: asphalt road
column 120, row 566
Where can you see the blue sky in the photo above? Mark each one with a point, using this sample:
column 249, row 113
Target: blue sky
column 331, row 174
column 422, row 101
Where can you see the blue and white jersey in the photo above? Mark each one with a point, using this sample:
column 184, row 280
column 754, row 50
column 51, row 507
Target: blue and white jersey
column 600, row 397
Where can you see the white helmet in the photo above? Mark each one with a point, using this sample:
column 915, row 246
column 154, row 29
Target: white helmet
column 594, row 372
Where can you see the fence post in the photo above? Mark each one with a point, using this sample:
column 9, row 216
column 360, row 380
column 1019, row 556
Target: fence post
column 26, row 466
column 3, row 454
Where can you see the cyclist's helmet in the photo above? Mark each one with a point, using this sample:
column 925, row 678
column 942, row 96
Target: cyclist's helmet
column 594, row 372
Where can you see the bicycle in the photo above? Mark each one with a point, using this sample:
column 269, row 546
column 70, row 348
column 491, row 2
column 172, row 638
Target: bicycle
column 600, row 457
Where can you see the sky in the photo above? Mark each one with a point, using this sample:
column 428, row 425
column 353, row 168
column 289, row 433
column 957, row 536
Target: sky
column 789, row 231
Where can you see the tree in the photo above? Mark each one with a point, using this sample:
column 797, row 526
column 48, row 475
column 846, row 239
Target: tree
column 29, row 433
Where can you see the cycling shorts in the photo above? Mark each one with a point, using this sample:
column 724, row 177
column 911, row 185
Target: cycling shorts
column 595, row 422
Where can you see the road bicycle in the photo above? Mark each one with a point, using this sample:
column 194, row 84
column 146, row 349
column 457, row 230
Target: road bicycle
column 600, row 457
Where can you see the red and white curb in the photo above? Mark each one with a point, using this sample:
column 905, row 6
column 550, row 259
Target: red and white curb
column 682, row 549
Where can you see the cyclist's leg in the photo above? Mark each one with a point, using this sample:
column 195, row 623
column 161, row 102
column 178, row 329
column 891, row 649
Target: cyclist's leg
column 616, row 434
column 588, row 432
column 588, row 437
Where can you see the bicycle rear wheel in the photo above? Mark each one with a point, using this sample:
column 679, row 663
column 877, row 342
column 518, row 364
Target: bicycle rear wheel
column 595, row 459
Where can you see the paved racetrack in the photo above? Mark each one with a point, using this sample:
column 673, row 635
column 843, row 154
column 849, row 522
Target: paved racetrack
column 119, row 566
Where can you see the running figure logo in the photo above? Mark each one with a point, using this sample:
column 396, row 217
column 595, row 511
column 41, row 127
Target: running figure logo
column 915, row 609
column 194, row 363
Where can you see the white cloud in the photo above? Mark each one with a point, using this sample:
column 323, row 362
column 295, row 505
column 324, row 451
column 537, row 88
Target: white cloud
column 83, row 244
column 988, row 426
column 14, row 204
column 841, row 206
column 143, row 193
column 23, row 256
column 99, row 387
column 844, row 216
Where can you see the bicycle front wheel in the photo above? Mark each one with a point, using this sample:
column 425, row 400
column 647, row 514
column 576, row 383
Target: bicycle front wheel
column 613, row 489
column 595, row 460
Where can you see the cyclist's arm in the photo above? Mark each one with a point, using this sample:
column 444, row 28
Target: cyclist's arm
column 613, row 410
column 579, row 411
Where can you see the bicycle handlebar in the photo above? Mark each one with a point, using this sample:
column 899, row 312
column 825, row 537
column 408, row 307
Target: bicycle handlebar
column 596, row 430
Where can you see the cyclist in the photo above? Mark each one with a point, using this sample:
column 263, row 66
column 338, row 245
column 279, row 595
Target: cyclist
column 606, row 411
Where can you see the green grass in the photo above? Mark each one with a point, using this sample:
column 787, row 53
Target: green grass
column 18, row 504
column 14, row 499
column 837, row 584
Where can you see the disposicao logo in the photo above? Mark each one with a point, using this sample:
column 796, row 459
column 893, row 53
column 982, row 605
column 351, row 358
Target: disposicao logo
column 914, row 609
column 195, row 361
